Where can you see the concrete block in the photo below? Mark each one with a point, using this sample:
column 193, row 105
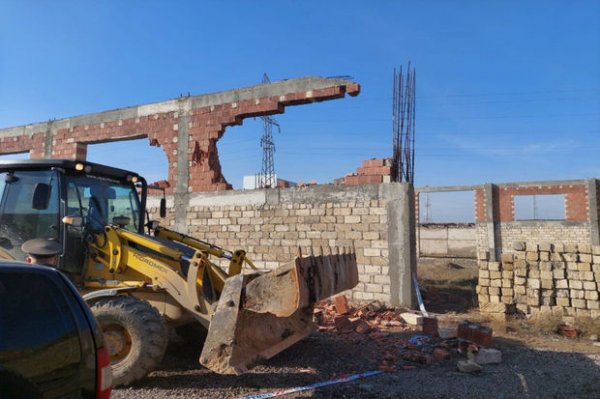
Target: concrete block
column 495, row 275
column 578, row 303
column 562, row 283
column 492, row 308
column 520, row 280
column 572, row 248
column 566, row 302
column 520, row 289
column 571, row 257
column 533, row 283
column 589, row 285
column 577, row 294
column 593, row 304
column 531, row 247
column 585, row 258
column 591, row 295
column 584, row 267
column 547, row 284
column 494, row 266
column 412, row 318
column 488, row 356
column 518, row 246
column 546, row 275
column 587, row 276
column 545, row 246
column 507, row 258
column 558, row 274
column 584, row 248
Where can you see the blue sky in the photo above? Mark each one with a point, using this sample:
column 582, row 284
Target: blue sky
column 506, row 91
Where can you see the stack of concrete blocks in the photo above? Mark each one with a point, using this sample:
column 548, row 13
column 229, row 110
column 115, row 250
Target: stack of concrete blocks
column 563, row 279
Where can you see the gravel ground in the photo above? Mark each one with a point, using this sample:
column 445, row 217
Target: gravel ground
column 524, row 373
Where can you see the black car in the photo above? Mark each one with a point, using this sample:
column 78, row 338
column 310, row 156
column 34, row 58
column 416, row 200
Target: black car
column 50, row 344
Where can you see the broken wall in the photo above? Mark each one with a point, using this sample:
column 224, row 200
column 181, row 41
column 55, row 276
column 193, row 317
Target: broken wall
column 187, row 128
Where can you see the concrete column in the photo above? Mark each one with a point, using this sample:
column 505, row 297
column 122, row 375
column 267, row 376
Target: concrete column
column 593, row 211
column 490, row 219
column 181, row 197
column 400, row 206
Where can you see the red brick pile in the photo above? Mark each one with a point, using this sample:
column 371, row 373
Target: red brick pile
column 372, row 171
column 400, row 346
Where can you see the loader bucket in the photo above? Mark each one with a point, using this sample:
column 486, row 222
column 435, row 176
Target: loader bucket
column 259, row 316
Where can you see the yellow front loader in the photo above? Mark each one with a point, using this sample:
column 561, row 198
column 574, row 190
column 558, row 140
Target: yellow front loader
column 139, row 283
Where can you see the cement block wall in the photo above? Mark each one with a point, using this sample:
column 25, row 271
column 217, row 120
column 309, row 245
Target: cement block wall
column 555, row 278
column 376, row 220
column 447, row 240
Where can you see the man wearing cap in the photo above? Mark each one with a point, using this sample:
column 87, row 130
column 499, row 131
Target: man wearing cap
column 42, row 251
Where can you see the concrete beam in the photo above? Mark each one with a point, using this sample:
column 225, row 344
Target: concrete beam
column 281, row 89
column 490, row 220
column 441, row 189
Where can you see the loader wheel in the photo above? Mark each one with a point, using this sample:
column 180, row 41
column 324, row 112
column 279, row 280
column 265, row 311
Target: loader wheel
column 134, row 333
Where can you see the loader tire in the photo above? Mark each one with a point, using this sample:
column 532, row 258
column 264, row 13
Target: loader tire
column 135, row 334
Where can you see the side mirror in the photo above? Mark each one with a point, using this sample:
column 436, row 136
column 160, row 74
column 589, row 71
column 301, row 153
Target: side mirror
column 41, row 196
column 163, row 208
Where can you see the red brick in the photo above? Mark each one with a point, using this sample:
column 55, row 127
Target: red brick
column 341, row 304
column 441, row 354
column 430, row 326
column 343, row 324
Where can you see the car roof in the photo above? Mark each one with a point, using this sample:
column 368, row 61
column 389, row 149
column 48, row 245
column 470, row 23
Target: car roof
column 14, row 265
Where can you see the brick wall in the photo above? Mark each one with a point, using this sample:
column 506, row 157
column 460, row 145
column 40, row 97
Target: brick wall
column 187, row 128
column 272, row 224
column 557, row 278
column 578, row 227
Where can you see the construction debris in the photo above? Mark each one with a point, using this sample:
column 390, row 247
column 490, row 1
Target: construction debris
column 398, row 335
column 412, row 318
column 468, row 366
column 488, row 356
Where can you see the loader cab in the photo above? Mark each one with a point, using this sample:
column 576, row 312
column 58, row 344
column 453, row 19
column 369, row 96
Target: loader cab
column 37, row 196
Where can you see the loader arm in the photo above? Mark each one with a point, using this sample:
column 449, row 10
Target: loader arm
column 119, row 250
column 257, row 315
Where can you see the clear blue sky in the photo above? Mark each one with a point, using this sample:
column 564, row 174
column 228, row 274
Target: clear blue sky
column 507, row 91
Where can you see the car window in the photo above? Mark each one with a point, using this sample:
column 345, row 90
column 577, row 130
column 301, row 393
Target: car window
column 38, row 334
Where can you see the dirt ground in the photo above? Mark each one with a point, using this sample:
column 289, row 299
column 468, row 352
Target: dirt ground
column 534, row 365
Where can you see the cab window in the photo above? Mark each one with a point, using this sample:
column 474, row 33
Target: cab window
column 20, row 217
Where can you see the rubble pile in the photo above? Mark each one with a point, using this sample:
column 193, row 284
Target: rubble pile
column 407, row 339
